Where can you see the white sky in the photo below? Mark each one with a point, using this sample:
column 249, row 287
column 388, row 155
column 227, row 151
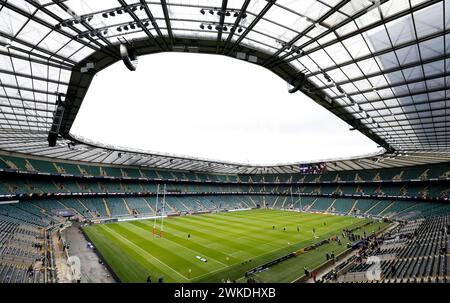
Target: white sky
column 212, row 107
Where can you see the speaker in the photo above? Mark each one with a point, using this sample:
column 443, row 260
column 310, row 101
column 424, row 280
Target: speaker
column 56, row 124
column 297, row 82
column 129, row 56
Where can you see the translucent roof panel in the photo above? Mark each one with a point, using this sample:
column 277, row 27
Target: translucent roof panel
column 379, row 65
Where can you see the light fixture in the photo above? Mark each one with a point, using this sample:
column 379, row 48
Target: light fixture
column 202, row 11
column 202, row 26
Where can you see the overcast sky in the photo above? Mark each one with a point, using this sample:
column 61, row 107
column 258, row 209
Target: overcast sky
column 211, row 107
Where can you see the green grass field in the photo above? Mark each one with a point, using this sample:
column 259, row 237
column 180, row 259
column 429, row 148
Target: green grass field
column 232, row 243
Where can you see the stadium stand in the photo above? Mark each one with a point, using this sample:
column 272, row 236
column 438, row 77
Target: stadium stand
column 423, row 172
column 23, row 247
column 418, row 251
column 36, row 191
column 414, row 198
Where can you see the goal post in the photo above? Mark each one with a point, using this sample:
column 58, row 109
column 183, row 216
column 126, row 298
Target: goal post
column 162, row 210
column 154, row 232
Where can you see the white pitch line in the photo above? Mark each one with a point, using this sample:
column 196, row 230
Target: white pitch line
column 146, row 253
column 185, row 247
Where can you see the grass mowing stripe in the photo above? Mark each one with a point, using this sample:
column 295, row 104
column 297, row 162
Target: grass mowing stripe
column 229, row 240
column 143, row 252
column 177, row 241
column 192, row 244
column 225, row 238
column 295, row 219
column 163, row 249
column 238, row 231
column 115, row 256
column 272, row 237
column 292, row 269
column 269, row 256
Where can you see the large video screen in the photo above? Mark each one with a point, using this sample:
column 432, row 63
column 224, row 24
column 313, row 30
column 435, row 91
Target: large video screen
column 317, row 168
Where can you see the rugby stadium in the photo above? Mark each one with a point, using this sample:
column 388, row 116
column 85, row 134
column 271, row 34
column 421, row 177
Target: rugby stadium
column 74, row 210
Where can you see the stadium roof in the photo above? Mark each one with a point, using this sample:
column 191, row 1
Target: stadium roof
column 379, row 65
